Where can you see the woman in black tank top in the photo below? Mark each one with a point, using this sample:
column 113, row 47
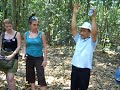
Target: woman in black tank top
column 11, row 41
column 10, row 44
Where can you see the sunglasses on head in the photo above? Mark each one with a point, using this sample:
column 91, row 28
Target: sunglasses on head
column 34, row 18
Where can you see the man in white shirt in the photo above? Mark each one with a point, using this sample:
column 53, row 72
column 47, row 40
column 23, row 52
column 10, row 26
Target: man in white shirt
column 83, row 55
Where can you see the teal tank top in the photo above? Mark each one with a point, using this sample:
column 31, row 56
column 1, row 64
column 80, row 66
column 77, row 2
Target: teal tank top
column 34, row 46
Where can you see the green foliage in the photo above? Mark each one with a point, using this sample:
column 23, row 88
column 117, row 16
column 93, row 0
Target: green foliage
column 55, row 18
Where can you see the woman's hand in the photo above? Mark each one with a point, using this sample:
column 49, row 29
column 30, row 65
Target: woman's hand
column 44, row 63
column 9, row 57
column 23, row 57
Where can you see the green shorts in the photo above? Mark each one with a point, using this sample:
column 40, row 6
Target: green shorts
column 13, row 69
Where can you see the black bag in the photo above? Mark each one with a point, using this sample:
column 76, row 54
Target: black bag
column 6, row 64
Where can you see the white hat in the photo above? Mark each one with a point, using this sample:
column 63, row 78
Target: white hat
column 86, row 25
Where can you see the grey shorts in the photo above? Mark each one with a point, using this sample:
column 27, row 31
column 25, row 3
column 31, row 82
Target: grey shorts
column 13, row 69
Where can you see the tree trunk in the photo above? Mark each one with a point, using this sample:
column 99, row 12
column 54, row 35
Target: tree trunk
column 13, row 8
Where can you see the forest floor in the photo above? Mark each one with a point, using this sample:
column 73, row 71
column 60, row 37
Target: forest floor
column 58, row 71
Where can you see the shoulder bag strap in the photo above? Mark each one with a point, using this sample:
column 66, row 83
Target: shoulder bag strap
column 15, row 34
column 1, row 41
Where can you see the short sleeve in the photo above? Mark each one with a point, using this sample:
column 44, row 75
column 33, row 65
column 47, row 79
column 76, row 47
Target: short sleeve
column 94, row 43
column 76, row 37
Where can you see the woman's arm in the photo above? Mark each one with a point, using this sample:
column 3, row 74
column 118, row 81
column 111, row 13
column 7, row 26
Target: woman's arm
column 45, row 49
column 24, row 47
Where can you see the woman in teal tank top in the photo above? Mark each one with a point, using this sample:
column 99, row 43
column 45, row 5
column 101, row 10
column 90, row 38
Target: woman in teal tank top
column 34, row 47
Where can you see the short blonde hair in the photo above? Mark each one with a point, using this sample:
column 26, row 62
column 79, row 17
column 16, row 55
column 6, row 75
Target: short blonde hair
column 7, row 21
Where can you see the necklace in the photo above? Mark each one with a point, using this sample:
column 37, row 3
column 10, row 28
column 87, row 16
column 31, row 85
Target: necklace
column 33, row 34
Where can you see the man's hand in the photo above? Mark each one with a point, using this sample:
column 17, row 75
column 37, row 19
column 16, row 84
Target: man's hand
column 76, row 8
column 74, row 23
column 94, row 13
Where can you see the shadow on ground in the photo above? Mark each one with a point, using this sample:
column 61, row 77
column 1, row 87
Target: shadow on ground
column 58, row 71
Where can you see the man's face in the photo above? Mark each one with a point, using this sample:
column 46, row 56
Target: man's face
column 85, row 33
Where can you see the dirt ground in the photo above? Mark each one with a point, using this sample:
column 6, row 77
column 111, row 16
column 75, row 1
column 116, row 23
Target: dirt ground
column 58, row 71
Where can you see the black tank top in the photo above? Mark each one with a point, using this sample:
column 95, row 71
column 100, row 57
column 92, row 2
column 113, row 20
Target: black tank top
column 9, row 44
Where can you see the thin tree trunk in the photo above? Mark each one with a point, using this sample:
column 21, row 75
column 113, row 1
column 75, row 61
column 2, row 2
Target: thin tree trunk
column 14, row 13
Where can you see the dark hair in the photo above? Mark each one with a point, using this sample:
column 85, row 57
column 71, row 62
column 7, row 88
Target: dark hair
column 32, row 18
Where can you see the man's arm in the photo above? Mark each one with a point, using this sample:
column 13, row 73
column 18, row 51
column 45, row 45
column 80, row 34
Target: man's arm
column 73, row 23
column 94, row 31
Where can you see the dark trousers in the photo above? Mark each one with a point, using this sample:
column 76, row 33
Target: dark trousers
column 31, row 64
column 80, row 78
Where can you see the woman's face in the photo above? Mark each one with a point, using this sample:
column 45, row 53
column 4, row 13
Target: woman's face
column 34, row 25
column 8, row 27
